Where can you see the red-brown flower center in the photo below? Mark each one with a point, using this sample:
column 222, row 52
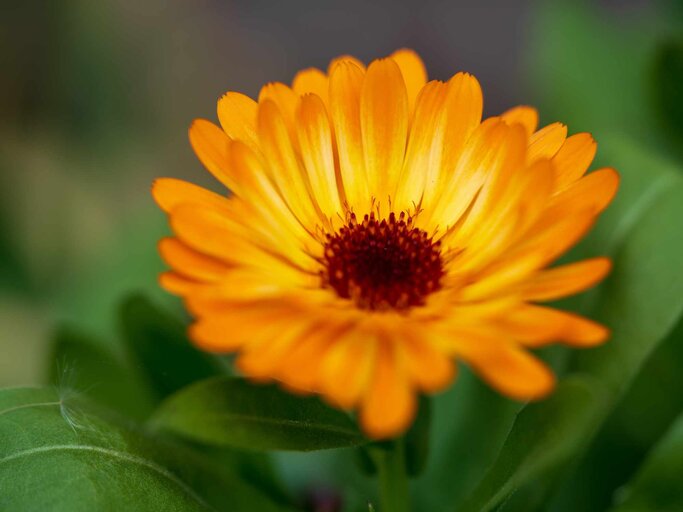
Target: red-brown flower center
column 382, row 264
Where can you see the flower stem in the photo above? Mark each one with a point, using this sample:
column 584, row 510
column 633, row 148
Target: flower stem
column 393, row 480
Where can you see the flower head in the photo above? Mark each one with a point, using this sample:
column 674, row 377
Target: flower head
column 378, row 232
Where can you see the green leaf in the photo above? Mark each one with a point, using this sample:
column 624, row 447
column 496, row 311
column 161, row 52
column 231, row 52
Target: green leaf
column 668, row 77
column 470, row 425
column 625, row 439
column 417, row 439
column 79, row 363
column 228, row 411
column 543, row 435
column 54, row 456
column 157, row 342
column 588, row 70
column 657, row 486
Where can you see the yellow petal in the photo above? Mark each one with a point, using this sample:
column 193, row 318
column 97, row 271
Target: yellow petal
column 529, row 254
column 345, row 89
column 315, row 139
column 237, row 114
column 384, row 126
column 423, row 155
column 483, row 151
column 413, row 71
column 499, row 162
column 462, row 110
column 211, row 233
column 284, row 165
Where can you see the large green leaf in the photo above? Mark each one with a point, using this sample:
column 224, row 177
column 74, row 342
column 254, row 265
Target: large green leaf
column 77, row 362
column 54, row 456
column 230, row 411
column 641, row 418
column 544, row 435
column 658, row 485
column 157, row 342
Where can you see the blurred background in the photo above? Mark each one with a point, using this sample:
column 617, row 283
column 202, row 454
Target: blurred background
column 96, row 98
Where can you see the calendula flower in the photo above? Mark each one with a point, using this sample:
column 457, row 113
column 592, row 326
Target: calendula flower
column 378, row 231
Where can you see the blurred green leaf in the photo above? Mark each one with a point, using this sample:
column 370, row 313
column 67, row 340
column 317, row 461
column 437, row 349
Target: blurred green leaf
column 157, row 342
column 54, row 456
column 658, row 485
column 417, row 439
column 543, row 435
column 667, row 80
column 470, row 425
column 79, row 363
column 228, row 411
column 636, row 424
column 589, row 69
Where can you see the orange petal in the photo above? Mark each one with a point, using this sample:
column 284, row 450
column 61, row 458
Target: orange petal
column 429, row 368
column 504, row 366
column 389, row 404
column 350, row 59
column 524, row 115
column 424, row 146
column 547, row 141
column 536, row 326
column 287, row 173
column 210, row 144
column 286, row 100
column 346, row 369
column 170, row 193
column 311, row 81
column 573, row 159
column 384, row 126
column 413, row 71
column 177, row 284
column 190, row 263
column 345, row 90
column 594, row 191
column 237, row 114
column 559, row 282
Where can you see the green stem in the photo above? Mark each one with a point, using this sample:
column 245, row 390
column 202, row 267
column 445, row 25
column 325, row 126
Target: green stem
column 393, row 480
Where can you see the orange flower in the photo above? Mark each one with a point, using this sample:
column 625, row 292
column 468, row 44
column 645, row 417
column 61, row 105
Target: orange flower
column 379, row 231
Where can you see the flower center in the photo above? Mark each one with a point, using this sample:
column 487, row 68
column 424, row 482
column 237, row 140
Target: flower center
column 382, row 264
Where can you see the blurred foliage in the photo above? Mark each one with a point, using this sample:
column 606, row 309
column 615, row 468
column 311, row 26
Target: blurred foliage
column 80, row 143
